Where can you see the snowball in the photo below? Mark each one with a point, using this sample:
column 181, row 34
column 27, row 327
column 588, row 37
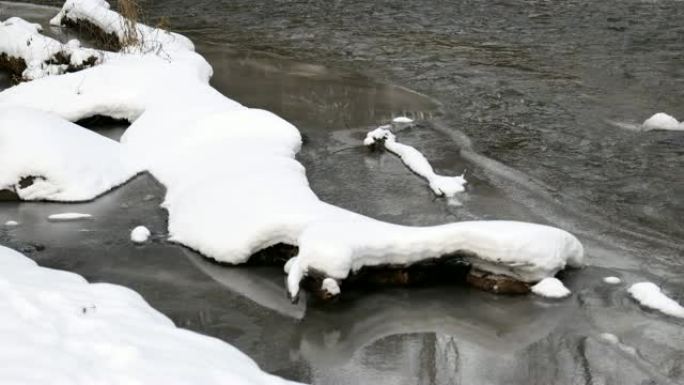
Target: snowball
column 68, row 216
column 551, row 288
column 662, row 121
column 648, row 294
column 11, row 223
column 140, row 234
column 330, row 286
column 612, row 280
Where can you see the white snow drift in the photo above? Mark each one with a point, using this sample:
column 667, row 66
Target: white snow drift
column 649, row 295
column 69, row 163
column 663, row 121
column 56, row 328
column 413, row 159
column 233, row 184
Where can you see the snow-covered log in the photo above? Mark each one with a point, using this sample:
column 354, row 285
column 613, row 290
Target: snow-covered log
column 27, row 54
column 233, row 184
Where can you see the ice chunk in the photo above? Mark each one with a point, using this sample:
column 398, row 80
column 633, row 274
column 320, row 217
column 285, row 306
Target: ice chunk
column 330, row 286
column 551, row 288
column 68, row 216
column 612, row 280
column 662, row 121
column 11, row 223
column 648, row 294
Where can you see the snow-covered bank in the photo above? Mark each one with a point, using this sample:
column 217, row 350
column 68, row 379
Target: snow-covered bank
column 45, row 157
column 413, row 159
column 649, row 295
column 663, row 121
column 233, row 184
column 56, row 328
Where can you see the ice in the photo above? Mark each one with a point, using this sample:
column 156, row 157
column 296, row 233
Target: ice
column 330, row 286
column 11, row 223
column 551, row 288
column 648, row 294
column 68, row 216
column 140, row 234
column 612, row 280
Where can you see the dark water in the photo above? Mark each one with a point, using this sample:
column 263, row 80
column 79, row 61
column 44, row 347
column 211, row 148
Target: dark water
column 520, row 93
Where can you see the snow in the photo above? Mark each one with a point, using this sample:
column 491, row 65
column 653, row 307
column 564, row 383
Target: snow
column 140, row 234
column 649, row 295
column 330, row 286
column 663, row 121
column 21, row 39
column 441, row 185
column 402, row 119
column 233, row 185
column 551, row 288
column 68, row 216
column 57, row 328
column 74, row 164
column 609, row 337
column 612, row 280
column 11, row 223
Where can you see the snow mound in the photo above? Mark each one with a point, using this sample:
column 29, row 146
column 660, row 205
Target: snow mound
column 330, row 286
column 612, row 280
column 648, row 294
column 413, row 159
column 663, row 121
column 68, row 216
column 42, row 55
column 551, row 288
column 140, row 234
column 59, row 329
column 233, row 185
column 66, row 162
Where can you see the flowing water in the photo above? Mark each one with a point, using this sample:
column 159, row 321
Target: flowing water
column 531, row 97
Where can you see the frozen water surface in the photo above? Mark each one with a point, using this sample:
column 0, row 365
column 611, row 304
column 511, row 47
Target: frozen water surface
column 532, row 93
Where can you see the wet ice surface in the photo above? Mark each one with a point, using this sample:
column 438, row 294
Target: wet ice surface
column 440, row 335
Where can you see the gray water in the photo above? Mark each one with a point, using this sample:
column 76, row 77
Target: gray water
column 521, row 94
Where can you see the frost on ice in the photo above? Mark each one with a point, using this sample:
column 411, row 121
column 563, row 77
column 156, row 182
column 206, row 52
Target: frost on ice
column 648, row 294
column 233, row 185
column 68, row 216
column 551, row 288
column 140, row 234
column 59, row 329
column 441, row 185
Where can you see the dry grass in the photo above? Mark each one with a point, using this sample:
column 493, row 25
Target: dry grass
column 131, row 11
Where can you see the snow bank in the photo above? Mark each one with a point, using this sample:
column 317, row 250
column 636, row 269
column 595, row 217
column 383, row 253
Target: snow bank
column 551, row 288
column 140, row 234
column 66, row 162
column 68, row 216
column 233, row 185
column 648, row 294
column 57, row 328
column 42, row 55
column 612, row 280
column 413, row 159
column 663, row 121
